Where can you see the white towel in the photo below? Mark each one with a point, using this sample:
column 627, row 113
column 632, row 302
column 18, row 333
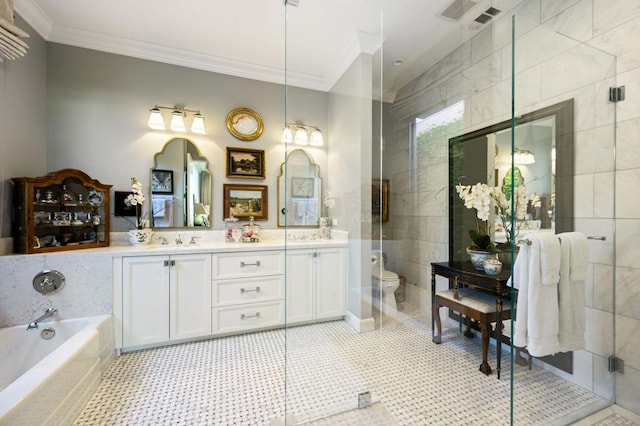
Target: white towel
column 520, row 281
column 549, row 258
column 573, row 268
column 536, row 326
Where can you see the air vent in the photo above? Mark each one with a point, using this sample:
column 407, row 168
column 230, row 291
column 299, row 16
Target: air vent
column 458, row 8
column 487, row 15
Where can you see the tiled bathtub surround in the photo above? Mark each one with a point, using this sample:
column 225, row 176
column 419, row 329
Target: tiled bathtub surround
column 564, row 49
column 242, row 379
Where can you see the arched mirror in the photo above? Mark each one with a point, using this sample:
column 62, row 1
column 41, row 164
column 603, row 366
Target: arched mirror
column 180, row 186
column 299, row 196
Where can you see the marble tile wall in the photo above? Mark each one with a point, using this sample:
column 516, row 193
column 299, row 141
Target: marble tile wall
column 87, row 290
column 564, row 49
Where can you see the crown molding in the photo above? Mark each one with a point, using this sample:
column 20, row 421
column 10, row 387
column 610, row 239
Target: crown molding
column 31, row 12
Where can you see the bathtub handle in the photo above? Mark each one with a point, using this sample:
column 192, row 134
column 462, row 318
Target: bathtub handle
column 48, row 281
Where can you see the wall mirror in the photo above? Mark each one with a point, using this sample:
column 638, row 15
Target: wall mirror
column 299, row 191
column 180, row 186
column 544, row 165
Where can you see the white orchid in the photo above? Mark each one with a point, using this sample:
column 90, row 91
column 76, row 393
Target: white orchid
column 136, row 199
column 485, row 199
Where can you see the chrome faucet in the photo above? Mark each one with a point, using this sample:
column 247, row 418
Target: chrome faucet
column 163, row 239
column 178, row 239
column 48, row 313
column 194, row 240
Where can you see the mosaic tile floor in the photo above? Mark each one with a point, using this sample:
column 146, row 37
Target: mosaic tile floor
column 242, row 380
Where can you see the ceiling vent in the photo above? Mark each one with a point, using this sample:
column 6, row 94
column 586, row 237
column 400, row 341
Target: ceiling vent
column 487, row 15
column 458, row 8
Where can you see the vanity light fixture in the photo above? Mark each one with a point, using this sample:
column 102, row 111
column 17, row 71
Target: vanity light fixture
column 178, row 115
column 301, row 134
column 523, row 156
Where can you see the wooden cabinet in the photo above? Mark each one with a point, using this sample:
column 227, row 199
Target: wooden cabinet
column 65, row 210
column 165, row 298
column 315, row 284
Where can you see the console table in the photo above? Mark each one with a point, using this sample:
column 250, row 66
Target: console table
column 463, row 274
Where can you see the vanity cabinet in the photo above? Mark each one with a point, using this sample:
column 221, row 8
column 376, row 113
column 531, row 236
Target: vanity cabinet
column 316, row 284
column 165, row 298
column 247, row 291
column 64, row 210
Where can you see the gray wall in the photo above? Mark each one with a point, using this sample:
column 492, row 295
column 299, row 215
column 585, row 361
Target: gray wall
column 23, row 120
column 98, row 106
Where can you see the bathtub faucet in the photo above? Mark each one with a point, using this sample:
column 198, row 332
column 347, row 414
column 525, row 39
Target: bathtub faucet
column 48, row 313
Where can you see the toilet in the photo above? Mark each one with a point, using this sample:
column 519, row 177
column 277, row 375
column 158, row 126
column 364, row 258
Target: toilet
column 387, row 279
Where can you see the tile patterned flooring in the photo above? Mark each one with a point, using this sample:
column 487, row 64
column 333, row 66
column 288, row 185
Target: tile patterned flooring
column 242, row 380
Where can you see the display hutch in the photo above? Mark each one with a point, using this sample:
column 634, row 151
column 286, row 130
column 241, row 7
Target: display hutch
column 63, row 210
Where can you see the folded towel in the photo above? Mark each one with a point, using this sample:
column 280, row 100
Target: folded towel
column 571, row 291
column 549, row 258
column 579, row 256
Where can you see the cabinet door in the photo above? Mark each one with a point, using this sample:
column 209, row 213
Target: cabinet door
column 331, row 280
column 299, row 282
column 190, row 295
column 145, row 300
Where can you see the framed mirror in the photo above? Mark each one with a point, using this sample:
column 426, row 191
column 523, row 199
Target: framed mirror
column 180, row 186
column 544, row 166
column 299, row 191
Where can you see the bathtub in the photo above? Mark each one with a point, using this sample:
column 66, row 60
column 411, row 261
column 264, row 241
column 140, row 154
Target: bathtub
column 50, row 381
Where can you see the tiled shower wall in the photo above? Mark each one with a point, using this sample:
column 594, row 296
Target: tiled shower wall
column 564, row 49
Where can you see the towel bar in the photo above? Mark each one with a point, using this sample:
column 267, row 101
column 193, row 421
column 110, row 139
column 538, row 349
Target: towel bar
column 590, row 237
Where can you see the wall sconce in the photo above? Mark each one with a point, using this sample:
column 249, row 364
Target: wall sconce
column 301, row 134
column 178, row 114
column 523, row 156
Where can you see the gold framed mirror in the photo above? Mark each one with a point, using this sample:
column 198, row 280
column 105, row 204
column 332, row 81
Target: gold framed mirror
column 181, row 193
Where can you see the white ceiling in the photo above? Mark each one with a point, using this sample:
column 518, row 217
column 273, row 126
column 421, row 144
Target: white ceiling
column 249, row 38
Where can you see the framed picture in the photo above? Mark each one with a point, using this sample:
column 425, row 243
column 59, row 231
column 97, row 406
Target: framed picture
column 245, row 163
column 243, row 201
column 161, row 181
column 302, row 187
column 380, row 200
column 119, row 207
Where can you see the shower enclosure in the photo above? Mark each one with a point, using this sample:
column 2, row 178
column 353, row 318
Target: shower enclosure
column 390, row 122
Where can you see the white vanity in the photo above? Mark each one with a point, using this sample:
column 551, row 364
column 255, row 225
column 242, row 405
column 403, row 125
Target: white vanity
column 165, row 294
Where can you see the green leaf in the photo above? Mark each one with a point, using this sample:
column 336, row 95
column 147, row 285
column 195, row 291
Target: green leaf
column 482, row 242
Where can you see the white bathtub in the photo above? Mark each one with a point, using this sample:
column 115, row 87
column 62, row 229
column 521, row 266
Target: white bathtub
column 50, row 381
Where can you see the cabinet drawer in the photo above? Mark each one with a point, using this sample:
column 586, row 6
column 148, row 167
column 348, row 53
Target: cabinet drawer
column 249, row 290
column 247, row 317
column 238, row 265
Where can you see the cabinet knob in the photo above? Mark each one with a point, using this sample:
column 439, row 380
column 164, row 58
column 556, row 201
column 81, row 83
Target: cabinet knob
column 169, row 263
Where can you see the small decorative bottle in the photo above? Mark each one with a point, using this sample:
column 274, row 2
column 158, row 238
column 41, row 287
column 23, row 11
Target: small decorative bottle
column 230, row 226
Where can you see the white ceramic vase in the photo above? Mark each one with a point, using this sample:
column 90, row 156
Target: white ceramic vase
column 139, row 237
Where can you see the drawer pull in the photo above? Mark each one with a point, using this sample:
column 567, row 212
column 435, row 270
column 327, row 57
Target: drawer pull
column 243, row 316
column 256, row 290
column 242, row 264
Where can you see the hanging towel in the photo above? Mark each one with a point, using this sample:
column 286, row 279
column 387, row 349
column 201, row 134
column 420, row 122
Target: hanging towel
column 573, row 269
column 520, row 281
column 542, row 305
column 549, row 258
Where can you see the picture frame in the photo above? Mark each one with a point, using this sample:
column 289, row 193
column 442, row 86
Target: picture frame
column 245, row 163
column 161, row 181
column 380, row 200
column 243, row 201
column 245, row 124
column 302, row 187
column 119, row 206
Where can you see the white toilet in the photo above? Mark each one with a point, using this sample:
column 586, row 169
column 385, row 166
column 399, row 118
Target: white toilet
column 387, row 279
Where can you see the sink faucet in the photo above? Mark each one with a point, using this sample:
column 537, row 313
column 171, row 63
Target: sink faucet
column 178, row 239
column 194, row 240
column 48, row 313
column 164, row 240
